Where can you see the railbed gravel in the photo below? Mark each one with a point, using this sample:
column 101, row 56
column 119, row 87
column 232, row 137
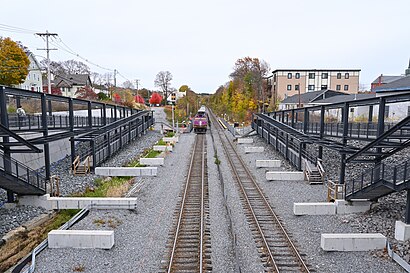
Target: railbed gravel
column 140, row 236
column 69, row 183
column 306, row 230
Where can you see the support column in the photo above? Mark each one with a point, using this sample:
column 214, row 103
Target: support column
column 45, row 133
column 345, row 121
column 94, row 155
column 104, row 114
column 90, row 115
column 71, row 126
column 407, row 216
column 322, row 130
column 5, row 122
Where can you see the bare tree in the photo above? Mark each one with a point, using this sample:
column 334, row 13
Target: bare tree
column 96, row 78
column 76, row 67
column 163, row 81
column 128, row 85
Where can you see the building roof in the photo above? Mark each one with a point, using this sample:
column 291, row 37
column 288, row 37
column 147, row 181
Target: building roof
column 311, row 96
column 402, row 84
column 346, row 98
column 316, row 70
column 386, row 79
column 72, row 79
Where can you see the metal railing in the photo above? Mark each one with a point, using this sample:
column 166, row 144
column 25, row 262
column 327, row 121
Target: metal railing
column 394, row 177
column 10, row 166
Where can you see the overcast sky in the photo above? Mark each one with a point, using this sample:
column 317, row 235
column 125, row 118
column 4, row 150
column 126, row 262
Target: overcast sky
column 199, row 42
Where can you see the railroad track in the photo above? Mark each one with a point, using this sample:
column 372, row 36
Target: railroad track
column 277, row 251
column 189, row 243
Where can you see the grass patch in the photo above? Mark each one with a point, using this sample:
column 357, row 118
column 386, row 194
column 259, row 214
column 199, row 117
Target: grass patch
column 161, row 142
column 170, row 134
column 108, row 188
column 217, row 161
column 152, row 154
column 135, row 163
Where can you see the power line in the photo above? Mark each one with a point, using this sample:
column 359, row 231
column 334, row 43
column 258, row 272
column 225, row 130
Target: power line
column 9, row 28
column 47, row 35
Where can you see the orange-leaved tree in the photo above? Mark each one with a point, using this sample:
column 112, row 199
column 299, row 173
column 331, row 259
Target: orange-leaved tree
column 139, row 99
column 14, row 62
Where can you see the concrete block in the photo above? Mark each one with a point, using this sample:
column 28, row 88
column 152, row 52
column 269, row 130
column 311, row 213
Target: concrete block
column 346, row 207
column 157, row 161
column 162, row 148
column 103, row 239
column 254, row 149
column 268, row 163
column 320, row 208
column 245, row 140
column 171, row 139
column 401, row 231
column 285, row 176
column 103, row 202
column 352, row 241
column 126, row 171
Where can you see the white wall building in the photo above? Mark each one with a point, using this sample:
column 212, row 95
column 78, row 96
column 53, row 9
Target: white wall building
column 34, row 80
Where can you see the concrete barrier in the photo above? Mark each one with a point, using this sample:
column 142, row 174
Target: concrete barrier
column 51, row 203
column 254, row 149
column 126, row 171
column 314, row 208
column 171, row 139
column 157, row 161
column 245, row 140
column 285, row 176
column 268, row 163
column 103, row 239
column 162, row 148
column 401, row 231
column 346, row 207
column 352, row 241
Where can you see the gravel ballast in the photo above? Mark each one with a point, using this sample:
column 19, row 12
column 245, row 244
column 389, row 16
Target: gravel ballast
column 306, row 230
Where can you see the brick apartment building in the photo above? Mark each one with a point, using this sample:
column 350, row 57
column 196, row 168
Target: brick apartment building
column 288, row 82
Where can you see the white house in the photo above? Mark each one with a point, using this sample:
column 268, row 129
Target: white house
column 34, row 80
column 71, row 83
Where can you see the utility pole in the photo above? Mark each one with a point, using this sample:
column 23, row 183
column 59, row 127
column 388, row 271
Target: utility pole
column 136, row 84
column 115, row 82
column 47, row 49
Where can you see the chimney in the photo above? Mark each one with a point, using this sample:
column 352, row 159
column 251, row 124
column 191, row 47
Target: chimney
column 407, row 72
column 380, row 80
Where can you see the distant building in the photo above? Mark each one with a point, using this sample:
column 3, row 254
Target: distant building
column 390, row 85
column 288, row 82
column 308, row 99
column 71, row 83
column 34, row 80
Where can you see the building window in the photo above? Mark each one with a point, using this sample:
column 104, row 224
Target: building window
column 297, row 87
column 386, row 111
column 339, row 75
column 323, row 87
column 324, row 75
column 274, row 78
column 311, row 87
column 346, row 87
column 289, row 87
column 289, row 75
column 338, row 87
column 346, row 75
column 311, row 75
column 297, row 75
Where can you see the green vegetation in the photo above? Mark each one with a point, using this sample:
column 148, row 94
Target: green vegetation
column 170, row 134
column 152, row 154
column 61, row 218
column 135, row 163
column 161, row 142
column 217, row 161
column 103, row 186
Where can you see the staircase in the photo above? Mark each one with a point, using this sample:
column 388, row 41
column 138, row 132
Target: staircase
column 81, row 167
column 390, row 142
column 314, row 174
column 379, row 181
column 18, row 178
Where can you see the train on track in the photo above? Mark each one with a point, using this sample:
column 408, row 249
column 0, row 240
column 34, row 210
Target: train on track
column 200, row 120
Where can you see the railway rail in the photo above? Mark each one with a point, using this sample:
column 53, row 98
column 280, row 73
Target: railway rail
column 276, row 249
column 190, row 241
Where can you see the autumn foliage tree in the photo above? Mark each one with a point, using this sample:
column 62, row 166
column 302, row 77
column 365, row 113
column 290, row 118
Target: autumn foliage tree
column 240, row 97
column 116, row 98
column 14, row 62
column 155, row 98
column 86, row 93
column 139, row 99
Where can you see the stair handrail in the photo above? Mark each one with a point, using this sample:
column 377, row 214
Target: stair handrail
column 321, row 169
column 308, row 170
column 40, row 180
column 380, row 138
column 75, row 164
